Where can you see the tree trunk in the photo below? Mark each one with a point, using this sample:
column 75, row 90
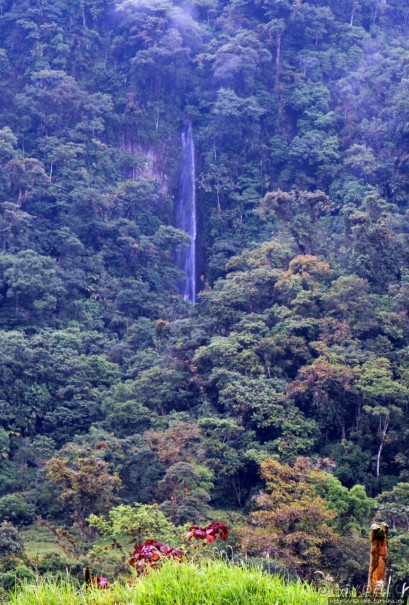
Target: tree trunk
column 237, row 489
column 384, row 430
column 378, row 460
column 378, row 556
column 278, row 60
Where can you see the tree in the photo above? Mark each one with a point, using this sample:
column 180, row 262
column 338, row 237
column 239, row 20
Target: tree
column 361, row 161
column 349, row 299
column 24, row 175
column 15, row 225
column 374, row 250
column 330, row 385
column 87, row 486
column 140, row 522
column 291, row 523
column 274, row 30
column 226, row 443
column 8, row 144
column 393, row 506
column 299, row 212
column 217, row 179
column 384, row 398
column 31, row 281
column 238, row 62
column 178, row 443
column 185, row 491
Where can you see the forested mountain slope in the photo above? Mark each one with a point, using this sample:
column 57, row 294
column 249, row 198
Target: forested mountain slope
column 298, row 345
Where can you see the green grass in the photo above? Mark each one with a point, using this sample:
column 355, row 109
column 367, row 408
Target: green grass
column 212, row 583
column 39, row 541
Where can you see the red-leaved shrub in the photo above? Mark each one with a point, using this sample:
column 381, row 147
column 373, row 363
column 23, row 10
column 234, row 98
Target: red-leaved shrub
column 149, row 554
column 209, row 533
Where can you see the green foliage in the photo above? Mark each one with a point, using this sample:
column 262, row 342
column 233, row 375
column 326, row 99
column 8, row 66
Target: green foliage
column 11, row 543
column 292, row 521
column 140, row 522
column 398, row 546
column 185, row 489
column 15, row 508
column 394, row 506
column 10, row 580
column 86, row 484
column 112, row 388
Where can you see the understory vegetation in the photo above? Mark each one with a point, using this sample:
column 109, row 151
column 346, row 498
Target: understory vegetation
column 279, row 403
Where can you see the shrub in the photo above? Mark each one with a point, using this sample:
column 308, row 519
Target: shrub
column 151, row 552
column 54, row 562
column 14, row 508
column 11, row 543
column 11, row 579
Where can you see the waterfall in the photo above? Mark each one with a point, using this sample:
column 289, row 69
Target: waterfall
column 185, row 215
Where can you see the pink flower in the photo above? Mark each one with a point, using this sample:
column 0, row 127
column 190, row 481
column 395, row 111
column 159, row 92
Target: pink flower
column 102, row 582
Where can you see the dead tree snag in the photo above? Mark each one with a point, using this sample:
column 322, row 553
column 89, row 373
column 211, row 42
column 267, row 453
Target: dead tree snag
column 378, row 556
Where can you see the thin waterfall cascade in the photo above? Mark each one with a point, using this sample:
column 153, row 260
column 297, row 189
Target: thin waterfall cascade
column 185, row 215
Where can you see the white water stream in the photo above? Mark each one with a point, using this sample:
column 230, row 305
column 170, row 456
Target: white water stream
column 185, row 215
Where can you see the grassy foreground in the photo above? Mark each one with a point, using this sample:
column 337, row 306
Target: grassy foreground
column 212, row 583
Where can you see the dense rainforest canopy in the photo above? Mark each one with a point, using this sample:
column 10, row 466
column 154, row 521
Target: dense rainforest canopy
column 295, row 361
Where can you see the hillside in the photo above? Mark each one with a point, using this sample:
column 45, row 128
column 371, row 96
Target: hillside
column 278, row 402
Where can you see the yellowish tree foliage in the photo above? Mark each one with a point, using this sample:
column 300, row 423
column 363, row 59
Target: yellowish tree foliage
column 291, row 523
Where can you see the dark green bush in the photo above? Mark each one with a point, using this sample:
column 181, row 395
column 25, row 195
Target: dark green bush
column 16, row 509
